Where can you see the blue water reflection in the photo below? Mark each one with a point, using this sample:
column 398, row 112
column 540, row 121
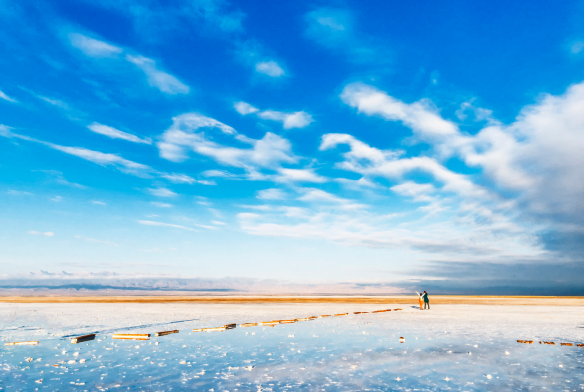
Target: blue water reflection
column 330, row 354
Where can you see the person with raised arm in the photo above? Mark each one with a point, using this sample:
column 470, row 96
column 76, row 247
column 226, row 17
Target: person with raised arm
column 420, row 299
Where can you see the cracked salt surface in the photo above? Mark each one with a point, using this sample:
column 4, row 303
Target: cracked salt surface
column 330, row 353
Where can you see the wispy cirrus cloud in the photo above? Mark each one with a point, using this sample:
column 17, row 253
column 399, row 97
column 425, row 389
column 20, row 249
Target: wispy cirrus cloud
column 161, row 205
column 271, row 194
column 289, row 120
column 161, row 192
column 116, row 134
column 5, row 97
column 108, row 160
column 154, row 20
column 45, row 234
column 336, row 29
column 104, row 51
column 18, row 193
column 93, row 47
column 162, row 224
column 108, row 243
column 59, row 178
column 163, row 81
column 105, row 159
column 100, row 158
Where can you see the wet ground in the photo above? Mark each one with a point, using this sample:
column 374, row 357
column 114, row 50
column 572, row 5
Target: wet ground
column 447, row 348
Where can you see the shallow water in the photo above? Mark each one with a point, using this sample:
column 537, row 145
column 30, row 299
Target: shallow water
column 355, row 352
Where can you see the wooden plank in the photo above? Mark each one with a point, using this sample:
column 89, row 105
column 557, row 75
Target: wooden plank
column 214, row 329
column 164, row 333
column 248, row 325
column 83, row 338
column 131, row 336
column 341, row 314
column 29, row 343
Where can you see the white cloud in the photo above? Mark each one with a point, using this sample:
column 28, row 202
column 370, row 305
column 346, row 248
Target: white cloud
column 289, row 120
column 577, row 47
column 531, row 169
column 178, row 178
column 96, row 241
column 419, row 192
column 270, row 68
column 55, row 102
column 185, row 135
column 367, row 160
column 57, row 198
column 166, row 20
column 161, row 224
column 105, row 159
column 7, row 98
column 244, row 108
column 541, row 154
column 161, row 205
column 46, row 234
column 298, row 175
column 161, row 192
column 313, row 195
column 100, row 158
column 18, row 193
column 116, row 134
column 479, row 114
column 330, row 27
column 371, row 229
column 206, row 182
column 58, row 177
column 253, row 54
column 271, row 194
column 92, row 47
column 163, row 81
column 99, row 203
column 156, row 78
column 335, row 29
column 217, row 173
column 420, row 116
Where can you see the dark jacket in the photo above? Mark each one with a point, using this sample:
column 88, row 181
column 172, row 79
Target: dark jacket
column 425, row 297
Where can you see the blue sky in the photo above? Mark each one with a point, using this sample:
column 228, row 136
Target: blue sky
column 376, row 143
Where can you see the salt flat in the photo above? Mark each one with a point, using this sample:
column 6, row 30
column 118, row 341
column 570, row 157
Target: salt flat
column 462, row 347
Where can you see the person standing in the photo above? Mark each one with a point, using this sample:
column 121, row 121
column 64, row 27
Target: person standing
column 426, row 300
column 420, row 300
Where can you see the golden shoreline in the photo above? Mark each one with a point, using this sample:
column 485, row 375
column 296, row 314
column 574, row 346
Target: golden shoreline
column 274, row 299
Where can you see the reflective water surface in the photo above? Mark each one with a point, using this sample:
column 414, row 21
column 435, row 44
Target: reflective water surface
column 355, row 352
